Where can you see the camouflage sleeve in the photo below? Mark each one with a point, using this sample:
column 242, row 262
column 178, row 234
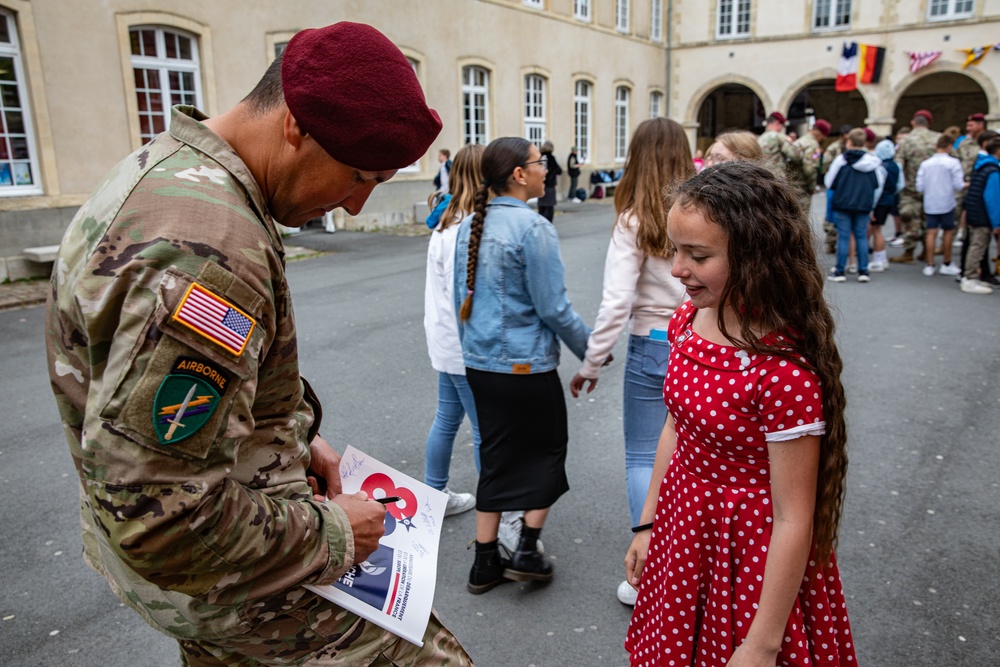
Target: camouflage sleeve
column 791, row 152
column 193, row 451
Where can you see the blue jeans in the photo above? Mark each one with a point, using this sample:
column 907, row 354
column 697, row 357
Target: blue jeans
column 454, row 402
column 847, row 224
column 643, row 415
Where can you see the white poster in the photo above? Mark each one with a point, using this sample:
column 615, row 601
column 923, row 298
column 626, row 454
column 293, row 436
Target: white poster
column 394, row 588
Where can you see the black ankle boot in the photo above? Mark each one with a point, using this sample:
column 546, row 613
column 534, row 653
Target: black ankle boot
column 488, row 568
column 529, row 564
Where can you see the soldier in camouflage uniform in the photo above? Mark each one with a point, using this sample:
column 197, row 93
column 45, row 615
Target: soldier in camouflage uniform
column 172, row 354
column 804, row 175
column 916, row 147
column 779, row 152
column 967, row 152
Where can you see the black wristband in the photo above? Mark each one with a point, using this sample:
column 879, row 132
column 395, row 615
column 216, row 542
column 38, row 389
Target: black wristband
column 642, row 527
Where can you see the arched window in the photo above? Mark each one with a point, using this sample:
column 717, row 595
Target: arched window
column 581, row 119
column 534, row 108
column 622, row 95
column 655, row 104
column 166, row 70
column 18, row 156
column 475, row 105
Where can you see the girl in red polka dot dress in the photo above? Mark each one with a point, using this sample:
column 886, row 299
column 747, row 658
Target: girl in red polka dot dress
column 733, row 559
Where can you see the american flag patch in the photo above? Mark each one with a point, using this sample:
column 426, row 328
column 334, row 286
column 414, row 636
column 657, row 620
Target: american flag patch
column 214, row 318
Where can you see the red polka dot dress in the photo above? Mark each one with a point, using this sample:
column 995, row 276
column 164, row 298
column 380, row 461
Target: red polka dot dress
column 703, row 574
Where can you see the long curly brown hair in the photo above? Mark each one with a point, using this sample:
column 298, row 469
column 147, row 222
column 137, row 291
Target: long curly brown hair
column 659, row 157
column 775, row 284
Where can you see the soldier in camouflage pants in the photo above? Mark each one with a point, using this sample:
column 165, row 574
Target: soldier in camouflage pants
column 172, row 354
column 804, row 175
column 915, row 147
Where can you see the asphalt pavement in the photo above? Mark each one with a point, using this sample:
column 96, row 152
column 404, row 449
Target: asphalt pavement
column 919, row 548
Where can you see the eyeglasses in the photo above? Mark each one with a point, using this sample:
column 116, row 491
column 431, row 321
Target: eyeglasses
column 544, row 162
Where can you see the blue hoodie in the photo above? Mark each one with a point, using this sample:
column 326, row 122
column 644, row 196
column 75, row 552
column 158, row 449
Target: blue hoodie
column 991, row 190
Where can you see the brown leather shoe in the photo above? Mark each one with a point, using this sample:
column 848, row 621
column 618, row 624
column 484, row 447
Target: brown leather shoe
column 905, row 258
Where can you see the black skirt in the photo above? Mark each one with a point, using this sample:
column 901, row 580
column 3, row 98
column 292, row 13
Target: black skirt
column 522, row 423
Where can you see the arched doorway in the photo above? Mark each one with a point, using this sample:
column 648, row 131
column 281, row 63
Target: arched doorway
column 950, row 96
column 729, row 107
column 820, row 100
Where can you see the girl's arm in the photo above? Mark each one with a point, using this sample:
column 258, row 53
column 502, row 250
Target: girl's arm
column 635, row 558
column 794, row 469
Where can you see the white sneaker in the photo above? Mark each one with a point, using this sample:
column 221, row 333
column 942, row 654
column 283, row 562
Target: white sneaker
column 852, row 268
column 929, row 270
column 974, row 287
column 627, row 594
column 897, row 242
column 950, row 270
column 509, row 533
column 458, row 502
column 877, row 267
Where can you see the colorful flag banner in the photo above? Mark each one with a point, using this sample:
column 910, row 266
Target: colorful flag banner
column 870, row 63
column 921, row 59
column 974, row 55
column 847, row 69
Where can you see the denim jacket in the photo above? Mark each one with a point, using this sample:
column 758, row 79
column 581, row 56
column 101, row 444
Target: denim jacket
column 520, row 309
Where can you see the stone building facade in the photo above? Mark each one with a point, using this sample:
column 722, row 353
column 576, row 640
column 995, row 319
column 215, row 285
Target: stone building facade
column 83, row 83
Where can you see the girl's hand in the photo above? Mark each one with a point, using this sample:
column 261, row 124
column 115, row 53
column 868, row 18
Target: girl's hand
column 578, row 382
column 749, row 655
column 635, row 558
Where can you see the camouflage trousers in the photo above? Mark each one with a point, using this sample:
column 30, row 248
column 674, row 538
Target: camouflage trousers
column 328, row 638
column 911, row 220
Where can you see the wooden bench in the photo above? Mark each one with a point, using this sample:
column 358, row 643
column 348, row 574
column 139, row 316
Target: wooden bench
column 41, row 254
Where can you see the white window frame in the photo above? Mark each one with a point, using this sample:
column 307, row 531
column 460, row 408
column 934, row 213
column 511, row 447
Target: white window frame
column 581, row 10
column 829, row 12
column 950, row 10
column 655, row 104
column 164, row 66
column 12, row 167
column 534, row 108
column 475, row 96
column 623, row 97
column 535, row 4
column 656, row 20
column 733, row 19
column 621, row 15
column 583, row 91
column 415, row 167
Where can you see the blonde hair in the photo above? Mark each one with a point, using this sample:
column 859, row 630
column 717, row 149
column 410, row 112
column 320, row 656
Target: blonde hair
column 658, row 159
column 466, row 177
column 742, row 144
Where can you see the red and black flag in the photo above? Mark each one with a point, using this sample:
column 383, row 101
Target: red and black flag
column 870, row 59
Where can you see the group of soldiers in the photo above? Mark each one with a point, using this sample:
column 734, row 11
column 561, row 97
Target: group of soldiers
column 804, row 160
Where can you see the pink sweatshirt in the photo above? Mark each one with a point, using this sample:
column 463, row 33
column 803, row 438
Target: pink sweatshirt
column 638, row 290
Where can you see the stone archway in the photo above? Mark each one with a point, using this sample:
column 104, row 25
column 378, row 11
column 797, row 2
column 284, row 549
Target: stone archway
column 818, row 99
column 730, row 106
column 950, row 96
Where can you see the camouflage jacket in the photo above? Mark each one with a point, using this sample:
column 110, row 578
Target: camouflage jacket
column 778, row 150
column 915, row 147
column 172, row 354
column 805, row 172
column 830, row 154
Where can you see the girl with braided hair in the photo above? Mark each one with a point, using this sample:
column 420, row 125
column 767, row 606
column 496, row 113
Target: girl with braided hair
column 509, row 283
column 734, row 556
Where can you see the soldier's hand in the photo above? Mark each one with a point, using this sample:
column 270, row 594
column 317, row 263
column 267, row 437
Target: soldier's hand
column 324, row 469
column 367, row 519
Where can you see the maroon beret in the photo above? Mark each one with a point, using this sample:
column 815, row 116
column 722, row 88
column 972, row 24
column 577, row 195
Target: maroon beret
column 355, row 93
column 869, row 135
column 925, row 113
column 778, row 116
column 977, row 117
column 823, row 126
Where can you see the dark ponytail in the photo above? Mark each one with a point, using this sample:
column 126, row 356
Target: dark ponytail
column 500, row 159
